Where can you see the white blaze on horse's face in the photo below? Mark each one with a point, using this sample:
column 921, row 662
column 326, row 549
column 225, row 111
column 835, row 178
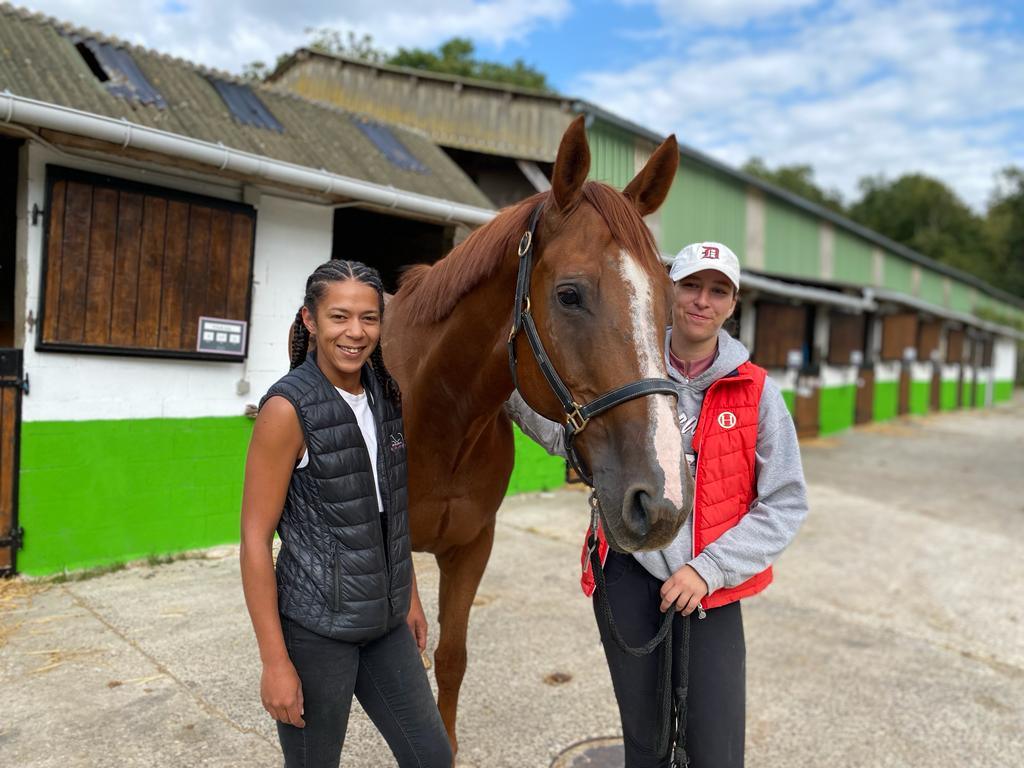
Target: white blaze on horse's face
column 647, row 341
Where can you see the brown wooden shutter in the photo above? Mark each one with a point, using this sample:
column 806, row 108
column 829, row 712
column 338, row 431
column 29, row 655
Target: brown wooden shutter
column 846, row 336
column 131, row 268
column 780, row 329
column 898, row 333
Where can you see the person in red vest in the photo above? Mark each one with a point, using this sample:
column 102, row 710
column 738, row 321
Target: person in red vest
column 750, row 500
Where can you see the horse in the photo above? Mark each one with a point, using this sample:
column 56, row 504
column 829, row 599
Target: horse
column 600, row 299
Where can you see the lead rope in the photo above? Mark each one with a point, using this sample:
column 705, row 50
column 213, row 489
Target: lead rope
column 674, row 718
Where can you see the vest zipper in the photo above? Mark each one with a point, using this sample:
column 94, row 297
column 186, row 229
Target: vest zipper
column 335, row 579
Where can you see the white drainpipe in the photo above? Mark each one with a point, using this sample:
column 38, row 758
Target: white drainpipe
column 30, row 112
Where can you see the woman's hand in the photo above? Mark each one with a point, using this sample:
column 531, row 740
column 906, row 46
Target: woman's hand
column 684, row 589
column 281, row 692
column 417, row 621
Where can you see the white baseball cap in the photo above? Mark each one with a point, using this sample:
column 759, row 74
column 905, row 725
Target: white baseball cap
column 697, row 257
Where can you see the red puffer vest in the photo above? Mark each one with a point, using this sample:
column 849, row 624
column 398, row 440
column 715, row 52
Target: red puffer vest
column 724, row 441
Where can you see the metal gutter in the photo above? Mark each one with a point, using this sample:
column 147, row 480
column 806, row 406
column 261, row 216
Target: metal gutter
column 805, row 293
column 24, row 111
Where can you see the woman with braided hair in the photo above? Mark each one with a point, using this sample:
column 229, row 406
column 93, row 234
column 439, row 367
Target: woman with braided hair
column 340, row 614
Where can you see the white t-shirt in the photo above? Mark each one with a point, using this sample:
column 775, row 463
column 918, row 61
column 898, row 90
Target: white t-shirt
column 360, row 406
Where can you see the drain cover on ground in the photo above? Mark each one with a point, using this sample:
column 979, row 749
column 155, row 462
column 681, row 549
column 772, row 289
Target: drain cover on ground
column 593, row 753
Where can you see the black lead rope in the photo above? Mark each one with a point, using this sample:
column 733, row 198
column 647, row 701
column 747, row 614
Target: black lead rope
column 673, row 701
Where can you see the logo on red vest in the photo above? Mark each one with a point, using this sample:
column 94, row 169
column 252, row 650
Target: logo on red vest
column 727, row 420
column 708, row 252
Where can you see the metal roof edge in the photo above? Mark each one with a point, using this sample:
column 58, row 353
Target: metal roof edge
column 423, row 74
column 860, row 230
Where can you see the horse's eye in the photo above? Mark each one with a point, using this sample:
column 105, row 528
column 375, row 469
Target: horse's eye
column 568, row 297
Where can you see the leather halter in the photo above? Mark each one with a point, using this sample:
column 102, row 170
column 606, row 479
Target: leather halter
column 576, row 416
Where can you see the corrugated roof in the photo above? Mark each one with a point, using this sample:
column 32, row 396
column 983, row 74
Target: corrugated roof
column 465, row 113
column 508, row 127
column 38, row 60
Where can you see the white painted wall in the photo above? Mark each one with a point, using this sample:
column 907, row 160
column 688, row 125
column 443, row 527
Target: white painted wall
column 292, row 238
column 921, row 371
column 1004, row 359
column 951, row 372
column 888, row 370
column 785, row 378
column 838, row 375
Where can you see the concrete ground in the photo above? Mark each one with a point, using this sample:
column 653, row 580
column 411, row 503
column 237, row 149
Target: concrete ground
column 893, row 636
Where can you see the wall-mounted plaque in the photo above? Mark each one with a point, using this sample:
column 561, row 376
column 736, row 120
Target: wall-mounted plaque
column 221, row 336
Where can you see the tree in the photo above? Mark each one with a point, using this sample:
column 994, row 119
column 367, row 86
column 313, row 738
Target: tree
column 332, row 41
column 798, row 179
column 455, row 57
column 927, row 216
column 1004, row 226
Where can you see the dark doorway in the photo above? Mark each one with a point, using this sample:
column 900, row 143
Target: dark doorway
column 389, row 244
column 502, row 179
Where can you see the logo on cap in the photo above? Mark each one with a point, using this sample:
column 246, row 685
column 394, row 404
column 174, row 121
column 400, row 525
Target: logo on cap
column 708, row 252
column 727, row 420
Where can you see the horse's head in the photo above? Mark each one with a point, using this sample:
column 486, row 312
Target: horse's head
column 601, row 300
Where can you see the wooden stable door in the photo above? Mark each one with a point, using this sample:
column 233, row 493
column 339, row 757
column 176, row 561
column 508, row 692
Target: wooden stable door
column 865, row 396
column 904, row 405
column 936, row 400
column 11, row 386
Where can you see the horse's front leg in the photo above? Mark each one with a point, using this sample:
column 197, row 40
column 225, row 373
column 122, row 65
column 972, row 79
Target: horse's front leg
column 461, row 568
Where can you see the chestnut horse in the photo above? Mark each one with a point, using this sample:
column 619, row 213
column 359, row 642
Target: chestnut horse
column 600, row 300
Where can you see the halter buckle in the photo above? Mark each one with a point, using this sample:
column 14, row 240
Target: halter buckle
column 576, row 419
column 525, row 243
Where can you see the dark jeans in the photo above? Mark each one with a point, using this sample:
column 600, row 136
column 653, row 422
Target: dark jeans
column 387, row 677
column 716, row 705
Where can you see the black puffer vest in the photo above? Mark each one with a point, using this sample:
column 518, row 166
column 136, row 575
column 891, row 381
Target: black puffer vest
column 335, row 576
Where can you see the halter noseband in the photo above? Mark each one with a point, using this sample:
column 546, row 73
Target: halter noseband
column 576, row 416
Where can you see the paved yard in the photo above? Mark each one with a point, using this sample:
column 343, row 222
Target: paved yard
column 893, row 636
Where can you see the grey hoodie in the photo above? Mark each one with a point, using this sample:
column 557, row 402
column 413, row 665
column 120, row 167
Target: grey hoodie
column 779, row 507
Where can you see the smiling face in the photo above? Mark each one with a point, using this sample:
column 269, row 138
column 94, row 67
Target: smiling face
column 346, row 326
column 702, row 302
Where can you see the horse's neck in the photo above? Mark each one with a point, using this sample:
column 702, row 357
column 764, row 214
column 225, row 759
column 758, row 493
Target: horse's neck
column 465, row 376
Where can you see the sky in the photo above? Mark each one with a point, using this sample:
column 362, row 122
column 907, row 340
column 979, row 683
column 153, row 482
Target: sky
column 853, row 88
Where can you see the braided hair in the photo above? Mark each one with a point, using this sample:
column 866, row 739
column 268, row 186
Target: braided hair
column 335, row 271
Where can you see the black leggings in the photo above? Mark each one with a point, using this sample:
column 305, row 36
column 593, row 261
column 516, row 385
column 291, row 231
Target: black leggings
column 716, row 705
column 387, row 677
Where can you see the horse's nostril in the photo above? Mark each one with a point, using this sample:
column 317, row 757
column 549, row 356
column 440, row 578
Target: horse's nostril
column 636, row 513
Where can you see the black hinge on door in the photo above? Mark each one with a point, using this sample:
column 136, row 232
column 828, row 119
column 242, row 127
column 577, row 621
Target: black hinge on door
column 15, row 540
column 20, row 383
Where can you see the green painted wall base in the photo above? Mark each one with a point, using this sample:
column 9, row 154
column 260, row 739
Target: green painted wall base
column 947, row 395
column 836, row 408
column 99, row 492
column 1003, row 391
column 535, row 470
column 887, row 400
column 920, row 397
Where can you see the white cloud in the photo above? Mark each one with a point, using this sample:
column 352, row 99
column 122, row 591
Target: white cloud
column 725, row 13
column 855, row 90
column 228, row 34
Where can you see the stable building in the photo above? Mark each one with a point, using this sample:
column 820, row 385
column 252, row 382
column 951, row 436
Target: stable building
column 853, row 326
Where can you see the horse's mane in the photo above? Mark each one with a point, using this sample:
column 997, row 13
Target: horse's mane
column 431, row 292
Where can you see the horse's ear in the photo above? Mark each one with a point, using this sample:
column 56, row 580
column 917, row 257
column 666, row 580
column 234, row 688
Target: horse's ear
column 571, row 166
column 649, row 188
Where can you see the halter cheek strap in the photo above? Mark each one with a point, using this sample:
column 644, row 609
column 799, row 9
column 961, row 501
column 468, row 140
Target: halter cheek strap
column 576, row 416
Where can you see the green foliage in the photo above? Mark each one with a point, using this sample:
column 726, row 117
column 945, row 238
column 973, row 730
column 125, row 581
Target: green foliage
column 798, row 179
column 455, row 57
column 927, row 216
column 1005, row 229
column 336, row 43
